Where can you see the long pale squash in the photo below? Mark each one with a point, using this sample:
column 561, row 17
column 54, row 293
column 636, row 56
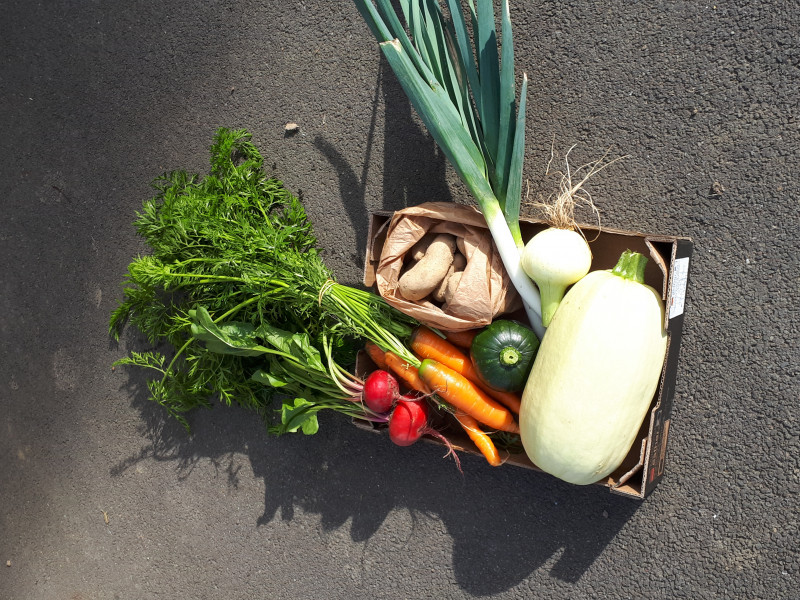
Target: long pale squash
column 597, row 370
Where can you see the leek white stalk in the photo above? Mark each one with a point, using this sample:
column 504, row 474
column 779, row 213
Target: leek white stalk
column 467, row 99
column 510, row 255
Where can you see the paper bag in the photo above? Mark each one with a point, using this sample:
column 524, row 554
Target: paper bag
column 485, row 289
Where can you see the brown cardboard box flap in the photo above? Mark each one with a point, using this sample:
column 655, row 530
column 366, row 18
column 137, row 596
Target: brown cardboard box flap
column 485, row 289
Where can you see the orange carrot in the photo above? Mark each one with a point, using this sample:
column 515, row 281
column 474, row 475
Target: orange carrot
column 426, row 344
column 464, row 395
column 462, row 339
column 479, row 438
column 508, row 399
column 377, row 355
column 406, row 371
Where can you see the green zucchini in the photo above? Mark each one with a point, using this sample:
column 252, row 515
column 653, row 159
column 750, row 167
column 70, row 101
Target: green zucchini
column 595, row 374
column 503, row 354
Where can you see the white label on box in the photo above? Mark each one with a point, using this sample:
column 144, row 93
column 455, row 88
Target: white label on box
column 680, row 275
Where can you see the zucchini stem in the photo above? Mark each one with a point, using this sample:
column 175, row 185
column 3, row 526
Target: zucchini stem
column 631, row 266
column 509, row 356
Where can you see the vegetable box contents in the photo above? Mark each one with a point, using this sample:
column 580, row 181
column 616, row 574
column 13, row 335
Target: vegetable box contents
column 237, row 305
column 463, row 87
column 598, row 391
column 235, row 286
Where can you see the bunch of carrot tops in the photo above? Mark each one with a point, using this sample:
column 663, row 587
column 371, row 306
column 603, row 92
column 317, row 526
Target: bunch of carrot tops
column 236, row 301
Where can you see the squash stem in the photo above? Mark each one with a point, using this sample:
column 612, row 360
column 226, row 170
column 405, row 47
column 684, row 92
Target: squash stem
column 631, row 266
column 509, row 356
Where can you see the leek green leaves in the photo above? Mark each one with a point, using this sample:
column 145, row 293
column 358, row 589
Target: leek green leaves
column 464, row 90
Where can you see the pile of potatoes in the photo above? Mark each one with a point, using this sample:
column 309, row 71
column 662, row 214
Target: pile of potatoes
column 432, row 270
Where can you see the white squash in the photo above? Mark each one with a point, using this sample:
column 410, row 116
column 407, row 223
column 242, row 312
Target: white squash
column 594, row 378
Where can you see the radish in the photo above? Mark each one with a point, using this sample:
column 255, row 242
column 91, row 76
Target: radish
column 380, row 391
column 409, row 422
column 560, row 256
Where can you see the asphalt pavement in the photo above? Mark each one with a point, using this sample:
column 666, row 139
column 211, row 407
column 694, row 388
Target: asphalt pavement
column 102, row 496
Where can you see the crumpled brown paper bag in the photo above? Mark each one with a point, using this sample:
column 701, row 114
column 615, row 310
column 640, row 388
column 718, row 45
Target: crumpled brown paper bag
column 485, row 289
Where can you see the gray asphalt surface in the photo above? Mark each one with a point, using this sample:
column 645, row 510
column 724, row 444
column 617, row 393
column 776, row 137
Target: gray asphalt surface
column 97, row 99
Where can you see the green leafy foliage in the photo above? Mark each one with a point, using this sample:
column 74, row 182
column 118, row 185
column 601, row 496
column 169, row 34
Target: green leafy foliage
column 217, row 242
column 463, row 88
column 235, row 285
column 300, row 414
column 234, row 338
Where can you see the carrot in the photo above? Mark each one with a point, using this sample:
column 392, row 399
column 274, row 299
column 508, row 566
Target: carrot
column 426, row 344
column 377, row 355
column 511, row 401
column 466, row 396
column 406, row 371
column 479, row 438
column 462, row 339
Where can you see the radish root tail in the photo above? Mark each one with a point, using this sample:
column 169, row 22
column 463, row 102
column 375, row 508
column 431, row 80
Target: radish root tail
column 450, row 450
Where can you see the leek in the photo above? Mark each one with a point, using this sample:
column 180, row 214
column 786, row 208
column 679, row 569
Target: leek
column 465, row 93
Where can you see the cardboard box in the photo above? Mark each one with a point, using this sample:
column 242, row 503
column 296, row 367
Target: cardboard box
column 667, row 271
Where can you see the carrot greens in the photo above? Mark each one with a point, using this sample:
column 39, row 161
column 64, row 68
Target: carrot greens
column 238, row 302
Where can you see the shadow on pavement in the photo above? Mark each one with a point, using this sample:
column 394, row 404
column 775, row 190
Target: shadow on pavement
column 413, row 169
column 504, row 523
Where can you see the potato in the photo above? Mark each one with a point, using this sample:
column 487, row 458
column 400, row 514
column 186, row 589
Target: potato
column 452, row 285
column 459, row 264
column 438, row 293
column 427, row 274
column 462, row 245
column 419, row 249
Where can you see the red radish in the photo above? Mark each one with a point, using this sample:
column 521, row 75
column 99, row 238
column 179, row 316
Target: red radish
column 409, row 422
column 380, row 391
